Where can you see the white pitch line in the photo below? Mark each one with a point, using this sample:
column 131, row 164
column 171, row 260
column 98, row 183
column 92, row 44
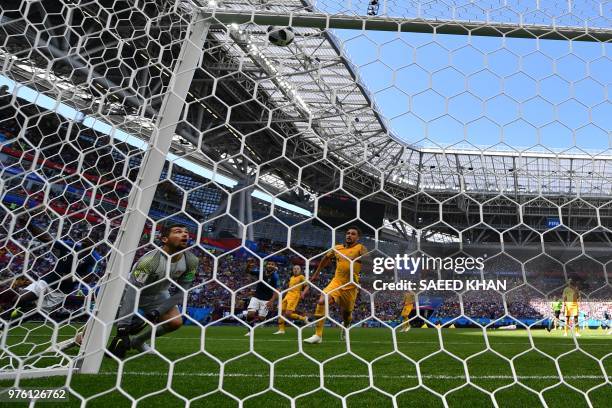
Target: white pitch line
column 493, row 343
column 353, row 376
column 400, row 338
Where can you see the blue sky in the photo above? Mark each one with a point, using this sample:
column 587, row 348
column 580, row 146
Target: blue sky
column 447, row 89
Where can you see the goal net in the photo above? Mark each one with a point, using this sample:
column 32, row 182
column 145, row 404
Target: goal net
column 288, row 203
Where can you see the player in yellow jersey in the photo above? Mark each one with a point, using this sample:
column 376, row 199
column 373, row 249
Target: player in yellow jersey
column 297, row 291
column 571, row 299
column 408, row 308
column 341, row 290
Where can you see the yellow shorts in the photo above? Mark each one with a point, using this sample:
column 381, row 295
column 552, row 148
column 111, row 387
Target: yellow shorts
column 571, row 310
column 291, row 301
column 344, row 297
column 406, row 310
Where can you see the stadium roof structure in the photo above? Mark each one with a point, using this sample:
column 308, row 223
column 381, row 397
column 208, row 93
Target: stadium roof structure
column 338, row 110
column 301, row 111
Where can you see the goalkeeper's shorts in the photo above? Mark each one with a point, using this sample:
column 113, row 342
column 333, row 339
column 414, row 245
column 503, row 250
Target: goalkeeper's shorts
column 148, row 304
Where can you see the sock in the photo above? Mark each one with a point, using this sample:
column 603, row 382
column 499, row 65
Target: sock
column 565, row 327
column 281, row 324
column 347, row 318
column 296, row 316
column 319, row 312
column 146, row 335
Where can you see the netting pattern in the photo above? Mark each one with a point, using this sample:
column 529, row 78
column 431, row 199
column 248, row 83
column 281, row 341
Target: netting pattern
column 433, row 145
column 563, row 13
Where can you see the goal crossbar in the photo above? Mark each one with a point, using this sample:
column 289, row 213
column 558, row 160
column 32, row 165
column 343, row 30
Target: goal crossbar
column 415, row 25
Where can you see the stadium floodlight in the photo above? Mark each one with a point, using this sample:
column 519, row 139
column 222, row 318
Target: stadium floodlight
column 156, row 159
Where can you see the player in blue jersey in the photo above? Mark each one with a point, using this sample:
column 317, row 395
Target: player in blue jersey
column 266, row 293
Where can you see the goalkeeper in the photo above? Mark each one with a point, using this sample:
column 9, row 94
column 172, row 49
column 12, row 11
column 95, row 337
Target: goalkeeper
column 152, row 276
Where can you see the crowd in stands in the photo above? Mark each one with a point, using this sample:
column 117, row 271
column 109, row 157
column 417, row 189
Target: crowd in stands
column 521, row 303
column 490, row 304
column 71, row 158
column 60, row 150
column 215, row 292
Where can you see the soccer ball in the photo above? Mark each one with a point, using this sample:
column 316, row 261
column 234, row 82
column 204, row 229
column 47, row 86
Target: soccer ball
column 280, row 36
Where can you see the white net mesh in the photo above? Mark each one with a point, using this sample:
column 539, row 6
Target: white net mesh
column 175, row 175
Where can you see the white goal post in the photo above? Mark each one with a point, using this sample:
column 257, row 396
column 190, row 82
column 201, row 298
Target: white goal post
column 99, row 330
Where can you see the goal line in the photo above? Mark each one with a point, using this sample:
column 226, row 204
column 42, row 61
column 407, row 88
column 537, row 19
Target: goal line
column 355, row 376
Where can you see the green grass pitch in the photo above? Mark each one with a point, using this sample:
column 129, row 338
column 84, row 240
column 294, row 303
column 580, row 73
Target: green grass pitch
column 421, row 368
